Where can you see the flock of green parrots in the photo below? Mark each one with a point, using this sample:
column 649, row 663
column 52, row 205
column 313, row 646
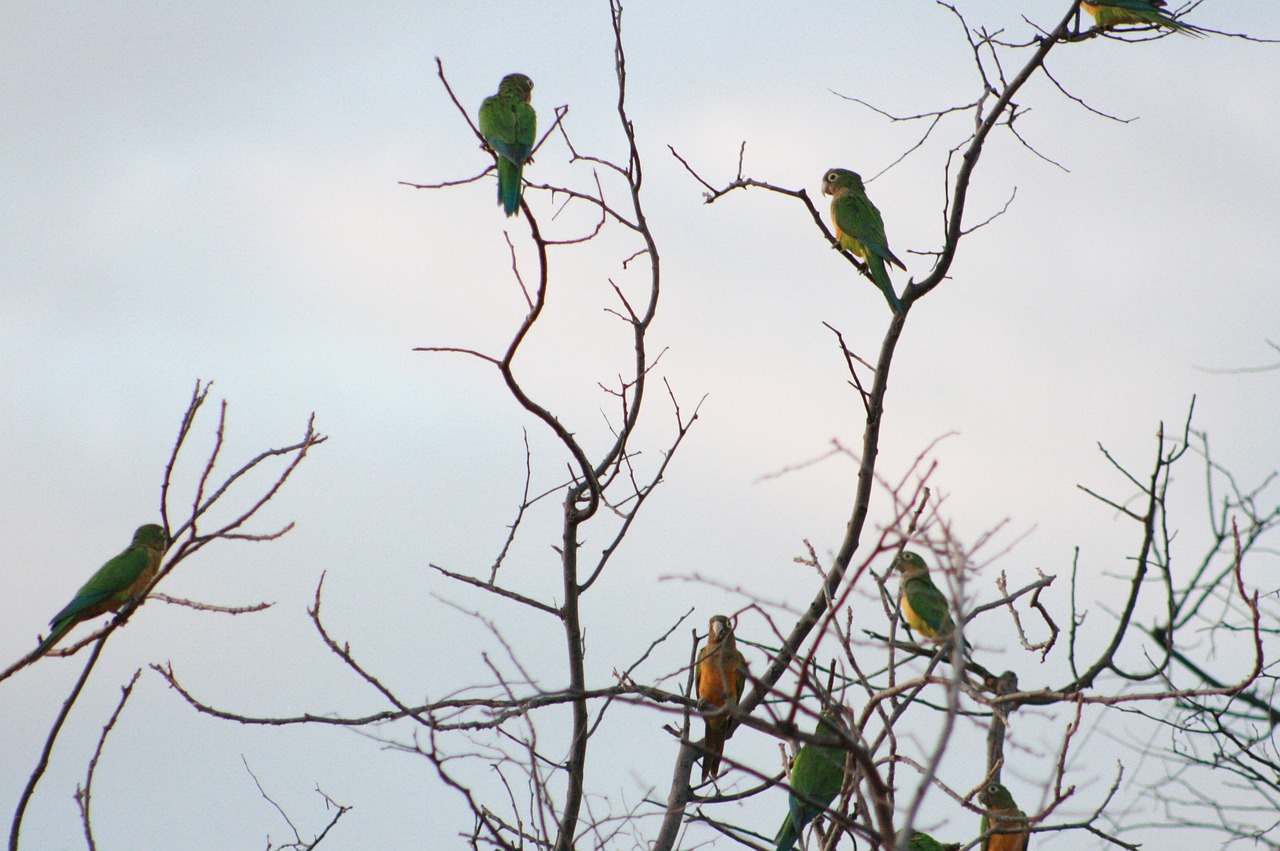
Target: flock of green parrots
column 818, row 771
column 509, row 127
column 508, row 124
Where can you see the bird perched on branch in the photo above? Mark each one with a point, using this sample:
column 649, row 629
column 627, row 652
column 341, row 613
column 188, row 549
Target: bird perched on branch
column 115, row 583
column 509, row 125
column 1109, row 13
column 721, row 677
column 923, row 606
column 817, row 773
column 860, row 228
column 1000, row 810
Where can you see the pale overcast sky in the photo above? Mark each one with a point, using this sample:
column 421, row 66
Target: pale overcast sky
column 214, row 193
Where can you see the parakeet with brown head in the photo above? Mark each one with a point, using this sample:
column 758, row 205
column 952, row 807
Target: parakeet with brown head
column 721, row 677
column 923, row 606
column 1003, row 813
column 120, row 579
column 860, row 228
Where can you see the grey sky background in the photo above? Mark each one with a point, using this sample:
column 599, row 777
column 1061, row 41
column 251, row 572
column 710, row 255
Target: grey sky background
column 213, row 193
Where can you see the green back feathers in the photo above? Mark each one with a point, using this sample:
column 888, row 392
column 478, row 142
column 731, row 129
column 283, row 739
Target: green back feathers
column 855, row 216
column 1109, row 13
column 817, row 774
column 860, row 228
column 111, row 586
column 509, row 126
column 120, row 577
column 921, row 841
column 923, row 605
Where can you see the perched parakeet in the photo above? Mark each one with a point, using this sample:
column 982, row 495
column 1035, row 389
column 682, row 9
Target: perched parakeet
column 922, row 604
column 509, row 124
column 817, row 773
column 1108, row 13
column 860, row 229
column 721, row 676
column 921, row 841
column 1000, row 807
column 125, row 576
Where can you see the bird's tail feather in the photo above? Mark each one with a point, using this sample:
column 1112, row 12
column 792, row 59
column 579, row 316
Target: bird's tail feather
column 881, row 276
column 714, row 743
column 509, row 185
column 1186, row 29
column 787, row 835
column 59, row 630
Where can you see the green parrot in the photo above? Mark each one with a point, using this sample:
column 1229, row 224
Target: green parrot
column 125, row 576
column 921, row 841
column 860, row 229
column 817, row 773
column 1000, row 806
column 923, row 606
column 1108, row 13
column 509, row 125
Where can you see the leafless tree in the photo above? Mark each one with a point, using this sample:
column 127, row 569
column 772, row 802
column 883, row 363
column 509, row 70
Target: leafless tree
column 220, row 508
column 901, row 703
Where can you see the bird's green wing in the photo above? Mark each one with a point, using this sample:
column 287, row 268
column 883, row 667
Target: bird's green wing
column 498, row 122
column 862, row 232
column 739, row 666
column 109, row 585
column 509, row 125
column 816, row 777
column 927, row 603
column 112, row 584
column 859, row 219
column 921, row 841
column 1114, row 12
column 526, row 128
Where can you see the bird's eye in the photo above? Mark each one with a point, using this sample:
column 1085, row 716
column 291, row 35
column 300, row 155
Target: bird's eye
column 831, row 177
